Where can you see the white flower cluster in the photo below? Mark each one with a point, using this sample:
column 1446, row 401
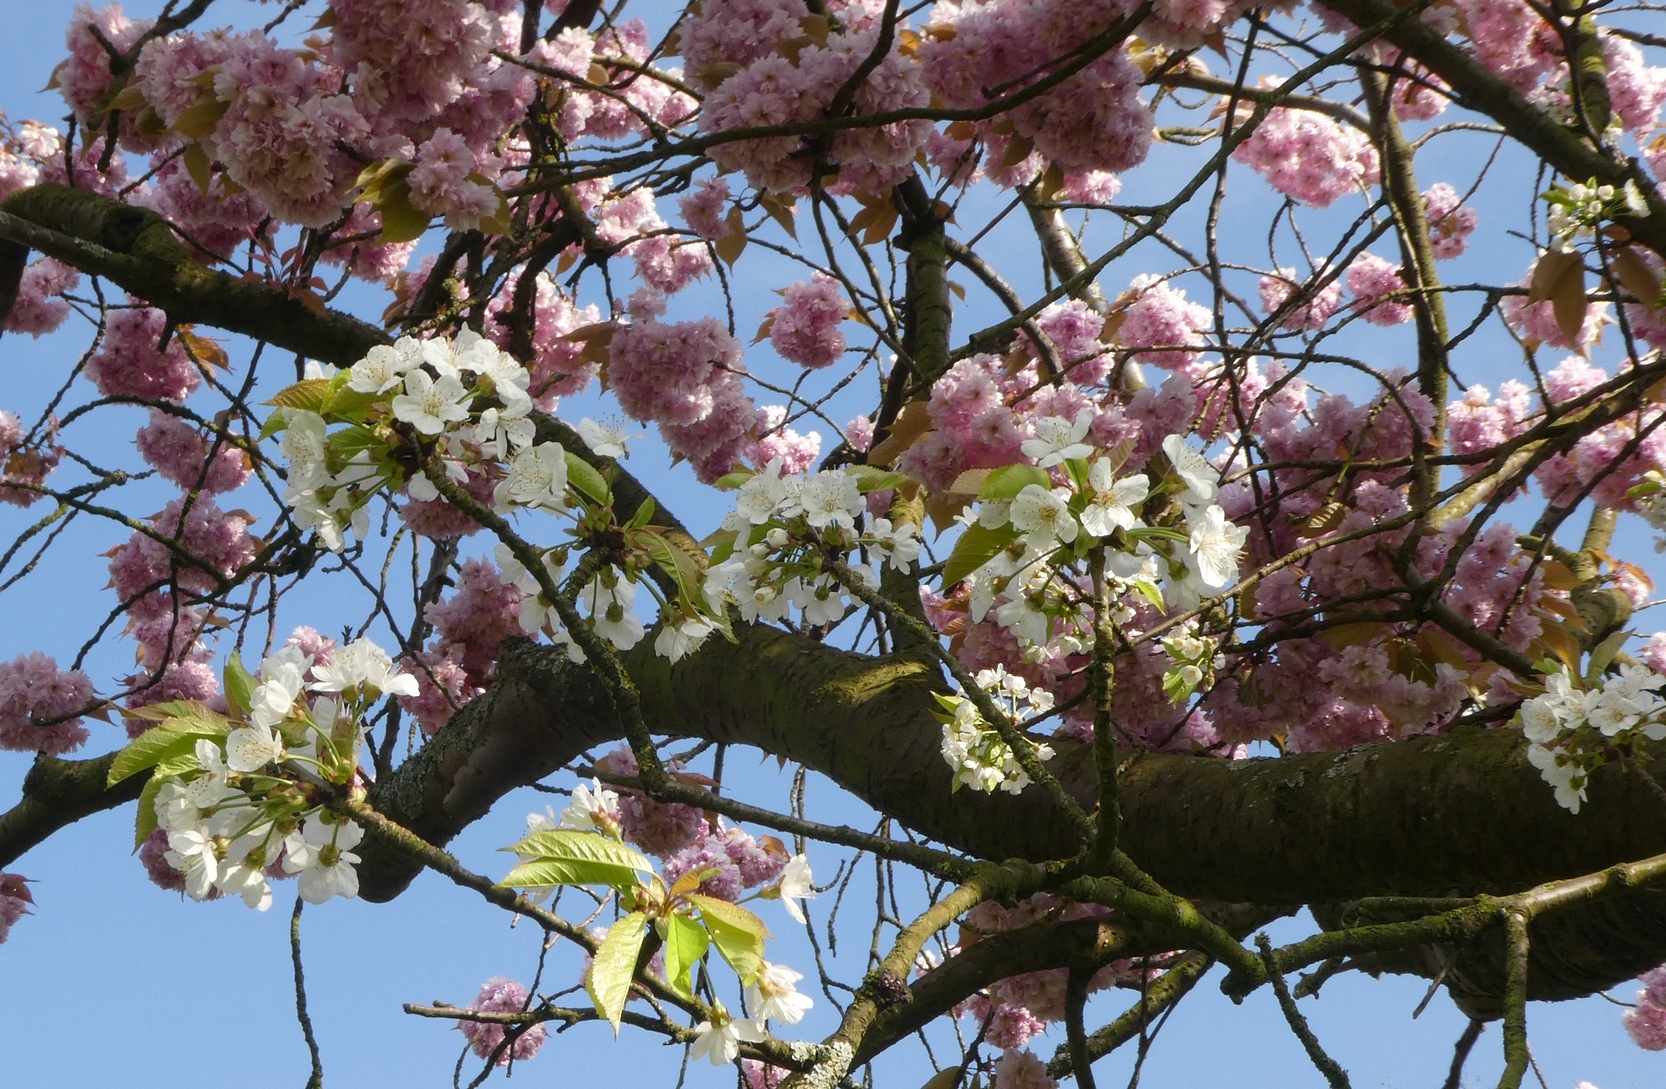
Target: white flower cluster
column 233, row 814
column 783, row 526
column 1577, row 211
column 1029, row 585
column 980, row 758
column 433, row 386
column 1195, row 659
column 1623, row 710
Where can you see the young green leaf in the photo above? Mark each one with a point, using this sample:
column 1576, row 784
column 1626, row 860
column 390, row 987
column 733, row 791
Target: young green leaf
column 686, row 942
column 1007, row 481
column 976, row 547
column 240, row 685
column 564, row 856
column 165, row 742
column 738, row 934
column 614, row 965
column 583, row 476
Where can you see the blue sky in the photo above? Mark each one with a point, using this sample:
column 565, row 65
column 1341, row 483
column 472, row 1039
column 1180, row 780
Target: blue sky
column 114, row 981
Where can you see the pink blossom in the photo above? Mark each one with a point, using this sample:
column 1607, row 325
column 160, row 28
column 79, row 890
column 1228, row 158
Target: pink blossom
column 477, row 617
column 502, row 995
column 805, row 329
column 1162, row 321
column 176, row 449
column 1450, row 224
column 130, row 361
column 33, row 693
column 1647, row 1025
column 37, row 309
column 1374, row 282
column 24, row 466
column 1309, row 314
column 703, row 209
column 14, row 902
column 659, row 828
column 443, row 687
column 723, row 878
column 1022, row 1070
column 1309, row 156
column 776, row 441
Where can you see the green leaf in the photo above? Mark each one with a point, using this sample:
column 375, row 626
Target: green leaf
column 870, row 478
column 310, row 395
column 686, row 942
column 738, row 934
column 614, row 966
column 166, row 741
column 1007, row 481
column 274, row 423
column 1601, row 655
column 735, row 479
column 145, row 822
column 976, row 547
column 644, row 514
column 583, row 476
column 400, row 221
column 240, row 686
column 547, row 873
column 683, row 568
column 569, row 857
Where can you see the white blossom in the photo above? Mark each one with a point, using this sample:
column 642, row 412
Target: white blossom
column 606, row 440
column 537, row 478
column 1201, row 479
column 719, row 1040
column 830, row 497
column 428, row 404
column 796, row 884
column 594, row 808
column 1043, row 515
column 1112, row 502
column 772, row 996
column 1217, row 544
column 1058, row 439
column 381, row 369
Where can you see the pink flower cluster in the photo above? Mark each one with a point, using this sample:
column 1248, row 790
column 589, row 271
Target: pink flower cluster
column 502, row 995
column 775, row 89
column 796, row 452
column 1378, row 289
column 40, row 705
column 1090, row 123
column 660, row 828
column 1536, row 322
column 734, row 862
column 1647, row 1021
column 1510, row 38
column 1313, row 309
column 805, row 329
column 1308, row 156
column 1450, row 223
column 1016, row 1009
column 131, row 360
column 178, row 450
column 470, row 627
column 1165, row 324
column 1479, row 422
column 24, row 466
column 211, row 545
column 38, row 309
column 685, row 376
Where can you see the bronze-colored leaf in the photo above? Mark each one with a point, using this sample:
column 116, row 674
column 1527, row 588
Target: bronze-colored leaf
column 911, row 424
column 1637, row 277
